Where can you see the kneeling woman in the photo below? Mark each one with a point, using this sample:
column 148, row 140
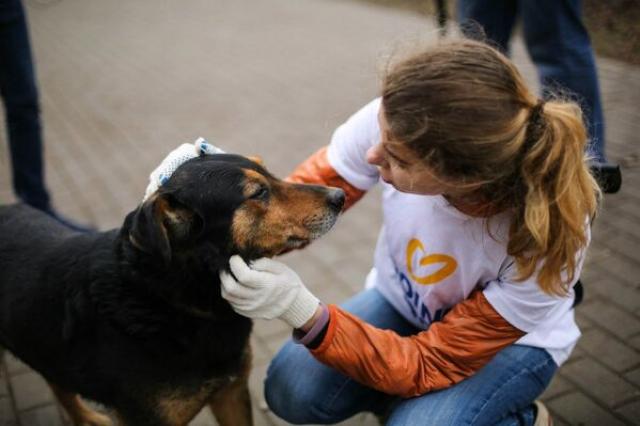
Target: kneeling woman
column 467, row 311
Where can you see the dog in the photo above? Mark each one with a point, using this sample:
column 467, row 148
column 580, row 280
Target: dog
column 133, row 318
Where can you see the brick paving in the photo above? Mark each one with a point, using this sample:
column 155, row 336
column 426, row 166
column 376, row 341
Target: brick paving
column 122, row 83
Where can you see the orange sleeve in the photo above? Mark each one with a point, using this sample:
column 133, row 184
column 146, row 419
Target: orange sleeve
column 448, row 351
column 317, row 170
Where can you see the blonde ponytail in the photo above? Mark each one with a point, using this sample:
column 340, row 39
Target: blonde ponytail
column 560, row 196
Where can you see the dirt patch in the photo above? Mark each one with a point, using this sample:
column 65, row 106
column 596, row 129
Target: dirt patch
column 614, row 27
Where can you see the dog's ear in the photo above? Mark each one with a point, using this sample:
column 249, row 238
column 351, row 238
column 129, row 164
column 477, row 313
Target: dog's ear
column 161, row 222
column 148, row 231
column 256, row 159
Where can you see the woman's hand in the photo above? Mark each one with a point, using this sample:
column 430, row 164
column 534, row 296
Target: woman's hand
column 175, row 159
column 268, row 289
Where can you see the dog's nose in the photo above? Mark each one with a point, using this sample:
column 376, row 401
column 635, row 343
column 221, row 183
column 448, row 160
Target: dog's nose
column 336, row 199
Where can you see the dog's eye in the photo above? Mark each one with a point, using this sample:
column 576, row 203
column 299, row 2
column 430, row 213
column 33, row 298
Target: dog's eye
column 261, row 194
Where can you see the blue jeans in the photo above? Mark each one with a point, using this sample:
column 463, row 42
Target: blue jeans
column 558, row 44
column 301, row 390
column 20, row 97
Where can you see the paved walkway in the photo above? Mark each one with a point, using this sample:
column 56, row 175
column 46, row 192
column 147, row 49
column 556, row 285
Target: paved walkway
column 122, row 83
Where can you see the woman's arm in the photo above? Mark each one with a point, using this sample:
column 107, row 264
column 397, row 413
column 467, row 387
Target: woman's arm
column 463, row 342
column 458, row 346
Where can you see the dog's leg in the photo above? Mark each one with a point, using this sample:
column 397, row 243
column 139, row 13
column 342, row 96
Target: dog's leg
column 232, row 404
column 79, row 412
column 175, row 410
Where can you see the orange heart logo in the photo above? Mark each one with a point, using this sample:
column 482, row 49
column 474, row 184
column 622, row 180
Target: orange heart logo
column 447, row 269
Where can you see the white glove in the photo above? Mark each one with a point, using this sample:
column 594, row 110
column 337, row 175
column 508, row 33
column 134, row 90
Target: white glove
column 268, row 289
column 175, row 159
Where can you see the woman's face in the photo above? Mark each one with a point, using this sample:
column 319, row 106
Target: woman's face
column 400, row 167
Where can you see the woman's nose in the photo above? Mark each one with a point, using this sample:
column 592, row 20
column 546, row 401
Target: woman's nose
column 375, row 155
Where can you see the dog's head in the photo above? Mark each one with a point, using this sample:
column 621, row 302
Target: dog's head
column 235, row 205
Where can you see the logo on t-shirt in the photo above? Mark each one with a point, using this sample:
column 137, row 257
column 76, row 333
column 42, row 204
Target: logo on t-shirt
column 432, row 269
column 447, row 264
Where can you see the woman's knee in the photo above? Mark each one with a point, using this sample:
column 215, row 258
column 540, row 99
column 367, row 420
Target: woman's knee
column 292, row 389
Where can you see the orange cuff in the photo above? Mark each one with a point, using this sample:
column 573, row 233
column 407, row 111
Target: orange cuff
column 331, row 330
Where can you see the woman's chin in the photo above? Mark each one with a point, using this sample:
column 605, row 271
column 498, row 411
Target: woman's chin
column 418, row 191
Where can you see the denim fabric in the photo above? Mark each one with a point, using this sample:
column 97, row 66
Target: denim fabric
column 20, row 97
column 558, row 44
column 301, row 390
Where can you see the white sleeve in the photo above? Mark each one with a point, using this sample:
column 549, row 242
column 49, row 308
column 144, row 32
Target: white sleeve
column 523, row 303
column 349, row 145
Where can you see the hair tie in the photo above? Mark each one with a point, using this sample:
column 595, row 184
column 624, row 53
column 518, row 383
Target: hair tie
column 536, row 111
column 534, row 125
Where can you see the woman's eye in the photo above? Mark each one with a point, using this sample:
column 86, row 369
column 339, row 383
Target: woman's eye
column 261, row 194
column 399, row 164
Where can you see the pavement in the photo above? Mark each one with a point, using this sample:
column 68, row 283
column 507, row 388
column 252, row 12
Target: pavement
column 123, row 83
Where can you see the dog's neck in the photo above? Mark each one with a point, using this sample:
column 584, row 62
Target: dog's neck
column 190, row 284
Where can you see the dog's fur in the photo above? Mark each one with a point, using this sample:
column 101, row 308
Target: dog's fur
column 133, row 318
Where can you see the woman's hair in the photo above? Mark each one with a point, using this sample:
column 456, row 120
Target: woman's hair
column 464, row 108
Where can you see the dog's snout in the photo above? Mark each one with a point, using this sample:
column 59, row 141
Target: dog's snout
column 335, row 198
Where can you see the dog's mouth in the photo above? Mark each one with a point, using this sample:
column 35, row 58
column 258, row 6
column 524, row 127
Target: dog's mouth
column 320, row 225
column 317, row 227
column 291, row 243
column 297, row 242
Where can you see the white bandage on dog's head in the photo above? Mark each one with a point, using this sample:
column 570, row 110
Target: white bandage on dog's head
column 175, row 159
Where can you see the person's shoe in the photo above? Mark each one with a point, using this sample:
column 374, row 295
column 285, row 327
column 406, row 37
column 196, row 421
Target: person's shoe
column 68, row 222
column 543, row 418
column 608, row 176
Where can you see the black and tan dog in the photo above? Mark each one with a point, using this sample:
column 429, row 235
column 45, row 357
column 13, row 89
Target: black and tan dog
column 133, row 318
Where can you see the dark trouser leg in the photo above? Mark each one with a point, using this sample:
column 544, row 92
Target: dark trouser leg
column 560, row 47
column 495, row 18
column 20, row 96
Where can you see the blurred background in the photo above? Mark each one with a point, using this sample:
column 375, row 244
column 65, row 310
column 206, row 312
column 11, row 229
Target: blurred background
column 122, row 83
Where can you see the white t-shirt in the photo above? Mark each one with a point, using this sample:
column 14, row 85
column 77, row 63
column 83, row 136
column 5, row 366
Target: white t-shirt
column 430, row 256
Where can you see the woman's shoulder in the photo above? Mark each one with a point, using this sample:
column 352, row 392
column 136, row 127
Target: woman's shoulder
column 365, row 119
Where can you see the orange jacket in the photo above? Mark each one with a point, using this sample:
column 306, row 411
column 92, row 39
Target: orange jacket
column 448, row 351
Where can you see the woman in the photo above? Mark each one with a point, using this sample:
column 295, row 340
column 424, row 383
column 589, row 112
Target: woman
column 467, row 312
